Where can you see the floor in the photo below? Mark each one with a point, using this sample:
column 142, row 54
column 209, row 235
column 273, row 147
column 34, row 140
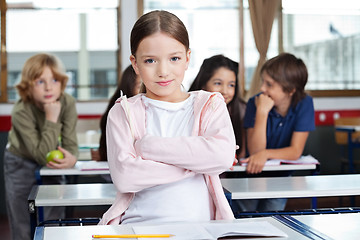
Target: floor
column 292, row 204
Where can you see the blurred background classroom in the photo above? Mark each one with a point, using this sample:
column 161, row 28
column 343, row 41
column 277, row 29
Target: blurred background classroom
column 92, row 39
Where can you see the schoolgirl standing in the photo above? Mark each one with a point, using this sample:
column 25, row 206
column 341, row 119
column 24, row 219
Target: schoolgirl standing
column 166, row 147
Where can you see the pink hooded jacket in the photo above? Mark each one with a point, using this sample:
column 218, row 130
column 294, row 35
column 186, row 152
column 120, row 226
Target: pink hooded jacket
column 138, row 161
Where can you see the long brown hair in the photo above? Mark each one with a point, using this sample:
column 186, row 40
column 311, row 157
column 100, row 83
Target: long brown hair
column 127, row 85
column 206, row 72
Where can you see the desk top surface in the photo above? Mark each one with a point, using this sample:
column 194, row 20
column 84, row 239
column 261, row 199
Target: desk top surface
column 241, row 188
column 296, row 186
column 75, row 194
column 99, row 168
column 281, row 167
column 335, row 226
column 85, row 232
column 349, row 127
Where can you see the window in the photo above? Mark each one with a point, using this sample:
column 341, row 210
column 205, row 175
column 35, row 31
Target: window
column 83, row 33
column 83, row 36
column 326, row 35
column 213, row 28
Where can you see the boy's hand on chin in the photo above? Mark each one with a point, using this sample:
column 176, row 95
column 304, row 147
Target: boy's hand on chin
column 264, row 103
column 52, row 111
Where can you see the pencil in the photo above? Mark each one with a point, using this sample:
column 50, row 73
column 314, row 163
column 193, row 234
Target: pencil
column 134, row 236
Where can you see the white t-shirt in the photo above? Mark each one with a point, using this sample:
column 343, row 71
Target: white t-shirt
column 185, row 200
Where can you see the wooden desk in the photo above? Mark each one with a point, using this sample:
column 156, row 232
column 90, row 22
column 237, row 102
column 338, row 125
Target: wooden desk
column 85, row 232
column 293, row 187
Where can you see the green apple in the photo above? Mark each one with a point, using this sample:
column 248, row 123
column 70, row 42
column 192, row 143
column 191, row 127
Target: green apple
column 54, row 154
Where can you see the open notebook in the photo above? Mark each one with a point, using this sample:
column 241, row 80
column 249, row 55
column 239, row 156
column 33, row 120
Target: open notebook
column 302, row 160
column 213, row 230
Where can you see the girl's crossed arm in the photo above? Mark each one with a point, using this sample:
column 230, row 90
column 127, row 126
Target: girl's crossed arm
column 212, row 152
column 129, row 172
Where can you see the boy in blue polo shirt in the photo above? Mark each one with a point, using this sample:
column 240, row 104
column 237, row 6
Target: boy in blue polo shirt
column 277, row 121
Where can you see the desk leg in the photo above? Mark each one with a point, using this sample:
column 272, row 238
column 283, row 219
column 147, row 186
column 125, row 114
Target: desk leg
column 40, row 214
column 228, row 196
column 314, row 203
column 350, row 157
column 33, row 210
column 33, row 221
column 350, row 153
column 38, row 176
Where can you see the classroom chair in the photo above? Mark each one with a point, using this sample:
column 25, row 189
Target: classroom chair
column 348, row 138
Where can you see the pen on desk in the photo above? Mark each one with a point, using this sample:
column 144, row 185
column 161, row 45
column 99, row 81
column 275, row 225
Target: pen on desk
column 134, row 236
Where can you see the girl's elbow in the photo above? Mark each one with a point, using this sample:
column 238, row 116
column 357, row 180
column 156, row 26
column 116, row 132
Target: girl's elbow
column 230, row 161
column 227, row 158
column 122, row 189
column 121, row 182
column 125, row 188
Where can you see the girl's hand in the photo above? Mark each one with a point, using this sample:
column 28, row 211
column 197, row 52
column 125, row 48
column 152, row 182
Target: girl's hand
column 264, row 103
column 52, row 111
column 68, row 161
column 256, row 162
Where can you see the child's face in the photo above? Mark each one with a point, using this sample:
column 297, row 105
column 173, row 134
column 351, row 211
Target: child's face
column 46, row 89
column 275, row 91
column 161, row 62
column 222, row 81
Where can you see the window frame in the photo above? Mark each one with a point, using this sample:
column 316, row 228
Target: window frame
column 3, row 57
column 314, row 93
